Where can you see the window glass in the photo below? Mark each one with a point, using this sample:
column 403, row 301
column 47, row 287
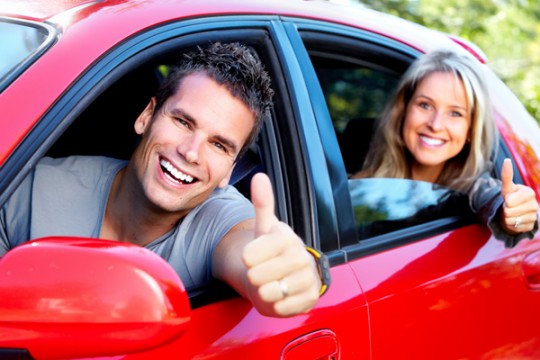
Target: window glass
column 17, row 44
column 355, row 93
column 384, row 205
column 352, row 90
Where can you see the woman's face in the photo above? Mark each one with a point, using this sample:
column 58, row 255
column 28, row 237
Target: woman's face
column 437, row 124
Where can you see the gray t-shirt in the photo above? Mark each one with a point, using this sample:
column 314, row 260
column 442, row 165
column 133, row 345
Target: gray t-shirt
column 68, row 197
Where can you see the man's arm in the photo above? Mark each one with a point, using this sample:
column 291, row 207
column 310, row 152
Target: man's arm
column 266, row 262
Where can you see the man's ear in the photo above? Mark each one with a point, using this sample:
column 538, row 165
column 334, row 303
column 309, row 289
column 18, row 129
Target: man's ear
column 144, row 118
column 223, row 183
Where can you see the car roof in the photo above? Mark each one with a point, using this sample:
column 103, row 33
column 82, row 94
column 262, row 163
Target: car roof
column 47, row 9
column 40, row 10
column 66, row 13
column 84, row 30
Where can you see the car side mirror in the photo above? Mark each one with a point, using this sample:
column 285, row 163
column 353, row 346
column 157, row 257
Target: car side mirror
column 73, row 298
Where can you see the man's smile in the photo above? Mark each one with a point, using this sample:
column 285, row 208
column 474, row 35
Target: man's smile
column 174, row 174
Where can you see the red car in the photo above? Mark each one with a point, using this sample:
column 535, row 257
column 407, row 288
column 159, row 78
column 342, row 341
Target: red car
column 75, row 74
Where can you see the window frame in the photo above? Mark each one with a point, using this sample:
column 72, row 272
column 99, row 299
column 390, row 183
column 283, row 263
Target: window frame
column 257, row 31
column 348, row 247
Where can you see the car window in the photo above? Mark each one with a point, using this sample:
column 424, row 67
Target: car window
column 20, row 43
column 357, row 79
column 118, row 107
column 384, row 205
column 115, row 105
column 356, row 94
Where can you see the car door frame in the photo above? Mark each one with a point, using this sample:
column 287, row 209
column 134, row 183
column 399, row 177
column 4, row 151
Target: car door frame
column 239, row 324
column 405, row 273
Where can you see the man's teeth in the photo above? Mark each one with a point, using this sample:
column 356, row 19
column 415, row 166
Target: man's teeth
column 178, row 175
column 431, row 141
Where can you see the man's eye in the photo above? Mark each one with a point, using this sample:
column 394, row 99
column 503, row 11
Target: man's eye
column 219, row 146
column 182, row 122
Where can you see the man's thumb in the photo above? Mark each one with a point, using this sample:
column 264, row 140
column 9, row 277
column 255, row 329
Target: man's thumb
column 262, row 197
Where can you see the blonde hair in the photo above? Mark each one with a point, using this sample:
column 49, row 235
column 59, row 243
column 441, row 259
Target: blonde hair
column 388, row 155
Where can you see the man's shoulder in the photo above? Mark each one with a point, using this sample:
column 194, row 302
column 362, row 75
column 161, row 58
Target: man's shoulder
column 226, row 201
column 74, row 163
column 229, row 192
column 86, row 170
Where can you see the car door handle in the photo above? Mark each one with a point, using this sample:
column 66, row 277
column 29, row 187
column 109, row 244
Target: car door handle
column 531, row 270
column 321, row 344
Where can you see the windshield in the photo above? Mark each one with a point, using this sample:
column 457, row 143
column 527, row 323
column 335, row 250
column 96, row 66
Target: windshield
column 20, row 44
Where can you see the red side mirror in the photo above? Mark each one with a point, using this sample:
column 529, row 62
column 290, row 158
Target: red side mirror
column 69, row 298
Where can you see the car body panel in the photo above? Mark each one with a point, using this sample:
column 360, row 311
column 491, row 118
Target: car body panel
column 238, row 331
column 446, row 289
column 420, row 289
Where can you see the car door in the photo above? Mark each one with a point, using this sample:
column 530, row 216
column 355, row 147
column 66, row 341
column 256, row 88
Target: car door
column 222, row 325
column 237, row 330
column 438, row 286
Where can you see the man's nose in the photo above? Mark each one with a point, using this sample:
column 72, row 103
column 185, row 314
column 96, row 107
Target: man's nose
column 191, row 147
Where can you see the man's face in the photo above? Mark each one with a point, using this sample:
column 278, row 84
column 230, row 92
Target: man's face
column 189, row 146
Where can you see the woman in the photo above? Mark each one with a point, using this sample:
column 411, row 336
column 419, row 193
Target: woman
column 439, row 128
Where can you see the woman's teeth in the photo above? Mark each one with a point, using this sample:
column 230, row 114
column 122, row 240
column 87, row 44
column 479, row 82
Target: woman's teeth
column 431, row 141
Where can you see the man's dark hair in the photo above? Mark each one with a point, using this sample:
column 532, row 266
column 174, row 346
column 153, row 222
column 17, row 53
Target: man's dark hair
column 232, row 65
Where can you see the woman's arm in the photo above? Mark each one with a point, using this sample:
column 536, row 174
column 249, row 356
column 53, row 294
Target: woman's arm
column 509, row 210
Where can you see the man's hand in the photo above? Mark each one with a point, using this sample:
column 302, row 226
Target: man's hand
column 282, row 277
column 520, row 205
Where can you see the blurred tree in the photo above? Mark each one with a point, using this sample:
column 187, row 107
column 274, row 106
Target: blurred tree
column 508, row 31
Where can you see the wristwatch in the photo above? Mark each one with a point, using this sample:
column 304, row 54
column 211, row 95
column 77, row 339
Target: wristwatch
column 324, row 269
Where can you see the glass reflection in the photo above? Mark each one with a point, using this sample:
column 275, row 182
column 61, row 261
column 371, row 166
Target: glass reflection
column 384, row 205
column 17, row 43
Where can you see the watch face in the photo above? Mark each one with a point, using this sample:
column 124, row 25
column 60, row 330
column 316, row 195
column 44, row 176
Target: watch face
column 324, row 266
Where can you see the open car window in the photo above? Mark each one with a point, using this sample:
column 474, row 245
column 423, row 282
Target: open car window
column 357, row 78
column 355, row 93
column 102, row 123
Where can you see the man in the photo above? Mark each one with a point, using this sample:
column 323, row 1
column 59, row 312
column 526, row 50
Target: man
column 173, row 197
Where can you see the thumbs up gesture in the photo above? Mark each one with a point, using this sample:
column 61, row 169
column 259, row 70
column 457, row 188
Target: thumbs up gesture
column 282, row 277
column 520, row 206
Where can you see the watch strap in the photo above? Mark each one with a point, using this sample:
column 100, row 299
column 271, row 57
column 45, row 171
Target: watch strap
column 324, row 268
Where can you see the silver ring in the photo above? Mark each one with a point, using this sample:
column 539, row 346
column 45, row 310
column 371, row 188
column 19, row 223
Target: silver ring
column 518, row 222
column 284, row 288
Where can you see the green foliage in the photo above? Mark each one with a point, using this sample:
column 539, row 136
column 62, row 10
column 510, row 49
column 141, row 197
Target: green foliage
column 365, row 214
column 508, row 31
column 354, row 94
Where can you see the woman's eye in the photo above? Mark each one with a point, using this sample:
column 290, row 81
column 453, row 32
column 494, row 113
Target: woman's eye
column 424, row 105
column 455, row 114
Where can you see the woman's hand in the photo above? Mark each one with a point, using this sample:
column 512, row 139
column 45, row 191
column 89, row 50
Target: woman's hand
column 520, row 210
